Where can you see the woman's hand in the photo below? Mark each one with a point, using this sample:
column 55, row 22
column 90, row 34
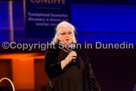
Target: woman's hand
column 72, row 55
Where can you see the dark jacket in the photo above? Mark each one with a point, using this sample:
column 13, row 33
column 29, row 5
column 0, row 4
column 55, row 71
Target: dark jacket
column 53, row 70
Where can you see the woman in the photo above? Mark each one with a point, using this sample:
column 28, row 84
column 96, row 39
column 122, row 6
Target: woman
column 68, row 69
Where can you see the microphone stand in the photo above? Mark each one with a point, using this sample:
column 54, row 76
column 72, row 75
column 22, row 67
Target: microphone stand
column 5, row 78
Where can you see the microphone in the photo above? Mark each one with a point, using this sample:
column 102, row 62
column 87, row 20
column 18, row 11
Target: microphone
column 69, row 49
column 74, row 60
column 77, row 61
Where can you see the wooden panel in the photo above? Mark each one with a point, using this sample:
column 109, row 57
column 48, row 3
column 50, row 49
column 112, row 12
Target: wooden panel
column 5, row 71
column 40, row 75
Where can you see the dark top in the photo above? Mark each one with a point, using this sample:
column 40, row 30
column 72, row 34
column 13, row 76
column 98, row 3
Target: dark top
column 71, row 78
column 67, row 75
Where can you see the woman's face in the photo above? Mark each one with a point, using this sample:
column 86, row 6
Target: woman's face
column 65, row 34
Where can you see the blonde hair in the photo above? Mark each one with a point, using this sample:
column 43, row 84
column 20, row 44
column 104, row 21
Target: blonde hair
column 55, row 40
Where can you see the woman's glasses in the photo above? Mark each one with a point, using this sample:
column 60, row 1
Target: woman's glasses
column 64, row 34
